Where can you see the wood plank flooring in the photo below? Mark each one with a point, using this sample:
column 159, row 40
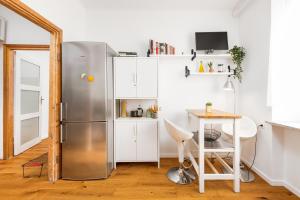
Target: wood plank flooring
column 129, row 181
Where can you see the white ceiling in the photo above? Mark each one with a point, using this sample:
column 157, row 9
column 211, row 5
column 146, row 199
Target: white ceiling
column 159, row 4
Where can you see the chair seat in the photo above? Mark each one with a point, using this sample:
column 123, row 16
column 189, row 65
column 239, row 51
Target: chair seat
column 178, row 133
column 246, row 128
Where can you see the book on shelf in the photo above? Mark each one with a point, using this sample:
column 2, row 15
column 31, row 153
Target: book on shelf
column 159, row 48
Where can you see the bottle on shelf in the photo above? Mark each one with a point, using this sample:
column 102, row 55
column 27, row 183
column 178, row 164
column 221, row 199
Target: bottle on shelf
column 201, row 67
column 123, row 108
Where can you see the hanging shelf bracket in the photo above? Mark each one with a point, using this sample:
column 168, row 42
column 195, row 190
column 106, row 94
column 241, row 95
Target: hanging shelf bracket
column 187, row 72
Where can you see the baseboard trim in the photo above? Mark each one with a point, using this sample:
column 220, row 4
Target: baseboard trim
column 291, row 188
column 273, row 182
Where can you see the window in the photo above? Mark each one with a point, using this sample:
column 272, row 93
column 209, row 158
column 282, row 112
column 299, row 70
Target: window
column 284, row 74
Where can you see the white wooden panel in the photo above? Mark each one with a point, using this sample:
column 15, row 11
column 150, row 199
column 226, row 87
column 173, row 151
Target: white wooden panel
column 125, row 77
column 125, row 141
column 147, row 141
column 147, row 77
column 27, row 114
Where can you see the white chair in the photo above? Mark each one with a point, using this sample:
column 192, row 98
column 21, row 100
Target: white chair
column 179, row 175
column 246, row 129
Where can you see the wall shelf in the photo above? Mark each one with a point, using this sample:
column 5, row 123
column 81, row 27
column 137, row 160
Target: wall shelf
column 189, row 73
column 203, row 56
column 211, row 73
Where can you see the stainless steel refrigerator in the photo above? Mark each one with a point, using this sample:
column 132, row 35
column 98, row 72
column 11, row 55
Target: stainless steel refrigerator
column 87, row 110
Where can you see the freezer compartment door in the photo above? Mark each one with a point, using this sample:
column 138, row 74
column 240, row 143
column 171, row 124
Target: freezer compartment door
column 84, row 151
column 84, row 95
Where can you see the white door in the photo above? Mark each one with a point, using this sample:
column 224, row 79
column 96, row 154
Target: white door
column 125, row 141
column 125, row 77
column 147, row 141
column 27, row 101
column 147, row 77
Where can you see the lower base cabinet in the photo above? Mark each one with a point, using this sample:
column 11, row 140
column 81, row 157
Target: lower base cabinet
column 136, row 141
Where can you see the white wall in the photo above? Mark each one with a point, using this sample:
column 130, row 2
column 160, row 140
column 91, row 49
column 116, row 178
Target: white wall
column 19, row 31
column 255, row 36
column 291, row 160
column 130, row 30
column 69, row 15
column 277, row 151
column 177, row 93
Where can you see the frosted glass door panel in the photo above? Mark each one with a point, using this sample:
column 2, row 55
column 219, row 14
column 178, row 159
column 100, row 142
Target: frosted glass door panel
column 27, row 101
column 30, row 73
column 29, row 130
column 30, row 101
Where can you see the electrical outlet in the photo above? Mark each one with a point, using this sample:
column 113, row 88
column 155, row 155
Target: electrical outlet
column 261, row 125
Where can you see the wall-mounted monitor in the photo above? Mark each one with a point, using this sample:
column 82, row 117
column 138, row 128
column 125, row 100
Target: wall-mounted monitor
column 211, row 40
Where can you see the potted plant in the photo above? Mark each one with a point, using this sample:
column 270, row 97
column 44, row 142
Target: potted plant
column 154, row 111
column 208, row 107
column 238, row 55
column 210, row 65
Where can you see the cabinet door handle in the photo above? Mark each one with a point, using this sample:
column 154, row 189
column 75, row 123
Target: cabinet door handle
column 134, row 133
column 134, row 79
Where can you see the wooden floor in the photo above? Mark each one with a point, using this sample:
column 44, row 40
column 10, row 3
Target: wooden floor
column 129, row 181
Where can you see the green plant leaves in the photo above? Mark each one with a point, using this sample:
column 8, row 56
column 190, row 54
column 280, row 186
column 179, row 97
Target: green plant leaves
column 238, row 55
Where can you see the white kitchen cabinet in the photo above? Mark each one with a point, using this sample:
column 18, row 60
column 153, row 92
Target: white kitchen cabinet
column 136, row 141
column 147, row 142
column 136, row 77
column 125, row 77
column 146, row 77
column 125, row 141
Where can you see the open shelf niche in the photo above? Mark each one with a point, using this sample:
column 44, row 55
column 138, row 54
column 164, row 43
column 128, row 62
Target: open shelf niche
column 133, row 104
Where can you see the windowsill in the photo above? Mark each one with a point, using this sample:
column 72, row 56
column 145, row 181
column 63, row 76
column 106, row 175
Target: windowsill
column 285, row 124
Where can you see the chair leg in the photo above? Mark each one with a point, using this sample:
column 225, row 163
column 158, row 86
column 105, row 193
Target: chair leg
column 180, row 175
column 41, row 170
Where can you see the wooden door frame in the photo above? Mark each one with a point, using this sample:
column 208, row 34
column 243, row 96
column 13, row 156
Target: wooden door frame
column 54, row 151
column 8, row 93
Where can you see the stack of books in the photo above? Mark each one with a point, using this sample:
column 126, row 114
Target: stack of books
column 127, row 54
column 157, row 48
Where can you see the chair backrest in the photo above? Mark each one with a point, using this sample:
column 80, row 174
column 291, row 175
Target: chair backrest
column 177, row 133
column 245, row 126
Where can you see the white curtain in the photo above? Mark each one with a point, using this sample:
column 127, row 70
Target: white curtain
column 284, row 70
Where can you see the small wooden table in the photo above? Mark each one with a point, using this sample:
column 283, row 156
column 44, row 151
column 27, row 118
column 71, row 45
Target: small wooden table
column 216, row 117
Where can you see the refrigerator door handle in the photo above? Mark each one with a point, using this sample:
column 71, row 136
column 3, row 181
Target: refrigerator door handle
column 63, row 111
column 62, row 135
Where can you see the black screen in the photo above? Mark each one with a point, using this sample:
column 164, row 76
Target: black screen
column 211, row 40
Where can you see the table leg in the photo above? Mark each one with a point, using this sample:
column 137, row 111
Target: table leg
column 201, row 156
column 236, row 162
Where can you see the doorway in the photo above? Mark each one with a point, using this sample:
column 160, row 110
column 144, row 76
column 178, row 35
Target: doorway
column 54, row 150
column 31, row 99
column 27, row 106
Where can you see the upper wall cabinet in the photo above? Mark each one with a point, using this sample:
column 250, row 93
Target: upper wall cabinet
column 125, row 77
column 136, row 77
